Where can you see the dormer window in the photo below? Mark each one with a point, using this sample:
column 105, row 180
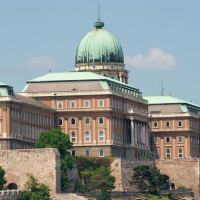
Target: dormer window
column 111, row 67
column 94, row 67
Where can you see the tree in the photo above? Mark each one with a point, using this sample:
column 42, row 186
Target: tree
column 102, row 180
column 2, row 178
column 148, row 179
column 35, row 190
column 55, row 138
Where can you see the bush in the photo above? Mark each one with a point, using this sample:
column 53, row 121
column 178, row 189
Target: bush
column 2, row 178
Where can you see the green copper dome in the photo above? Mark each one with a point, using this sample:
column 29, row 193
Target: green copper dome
column 99, row 45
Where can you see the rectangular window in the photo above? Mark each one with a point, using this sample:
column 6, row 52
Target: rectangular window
column 73, row 153
column 167, row 139
column 179, row 124
column 87, row 152
column 180, row 153
column 167, row 124
column 73, row 136
column 72, row 104
column 168, row 153
column 59, row 105
column 87, row 104
column 155, row 124
column 101, row 136
column 155, row 154
column 100, row 103
column 101, row 153
column 87, row 121
column 87, row 136
column 155, row 140
column 180, row 139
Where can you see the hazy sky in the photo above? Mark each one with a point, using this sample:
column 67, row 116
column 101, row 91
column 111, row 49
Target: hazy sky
column 160, row 40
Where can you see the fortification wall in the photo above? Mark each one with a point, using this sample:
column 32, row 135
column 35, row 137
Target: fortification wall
column 44, row 164
column 121, row 169
column 182, row 173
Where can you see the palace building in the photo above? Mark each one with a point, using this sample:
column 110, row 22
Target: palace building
column 103, row 115
column 175, row 127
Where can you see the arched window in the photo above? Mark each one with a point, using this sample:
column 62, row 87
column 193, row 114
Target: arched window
column 87, row 136
column 12, row 186
column 87, row 121
column 180, row 153
column 60, row 122
column 73, row 136
column 101, row 120
column 101, row 136
column 73, row 121
column 168, row 153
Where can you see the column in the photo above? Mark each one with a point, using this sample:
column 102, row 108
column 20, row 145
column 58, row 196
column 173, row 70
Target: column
column 162, row 149
column 65, row 126
column 95, row 139
column 132, row 132
column 80, row 132
column 174, row 146
column 135, row 125
column 147, row 134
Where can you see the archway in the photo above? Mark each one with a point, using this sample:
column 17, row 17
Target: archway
column 12, row 186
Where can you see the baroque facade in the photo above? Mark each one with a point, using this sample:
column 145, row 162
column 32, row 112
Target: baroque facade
column 175, row 127
column 95, row 105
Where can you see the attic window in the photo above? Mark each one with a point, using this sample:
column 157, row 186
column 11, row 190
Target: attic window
column 74, row 89
column 112, row 67
column 94, row 67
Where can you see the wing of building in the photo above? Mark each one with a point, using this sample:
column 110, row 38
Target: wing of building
column 175, row 127
column 103, row 116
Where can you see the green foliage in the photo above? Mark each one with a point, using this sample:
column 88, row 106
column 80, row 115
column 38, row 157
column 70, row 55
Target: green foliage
column 148, row 156
column 55, row 138
column 35, row 190
column 148, row 179
column 104, row 195
column 101, row 180
column 2, row 178
column 91, row 163
column 79, row 187
column 153, row 197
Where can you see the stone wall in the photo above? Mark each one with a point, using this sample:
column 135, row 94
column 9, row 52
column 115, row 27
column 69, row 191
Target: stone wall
column 182, row 173
column 121, row 169
column 44, row 164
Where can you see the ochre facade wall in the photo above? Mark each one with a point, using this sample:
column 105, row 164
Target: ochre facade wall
column 182, row 172
column 44, row 164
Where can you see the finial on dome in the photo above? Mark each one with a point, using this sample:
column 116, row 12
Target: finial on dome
column 99, row 24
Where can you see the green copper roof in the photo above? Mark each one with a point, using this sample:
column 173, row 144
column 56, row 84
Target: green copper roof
column 99, row 45
column 5, row 89
column 3, row 84
column 76, row 76
column 153, row 100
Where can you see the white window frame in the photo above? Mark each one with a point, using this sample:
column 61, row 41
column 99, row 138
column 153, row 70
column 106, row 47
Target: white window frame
column 166, row 124
column 86, row 121
column 87, row 152
column 168, row 154
column 59, row 122
column 155, row 124
column 74, row 152
column 59, row 103
column 99, row 121
column 155, row 140
column 73, row 137
column 167, row 139
column 181, row 124
column 101, row 101
column 71, row 121
column 71, row 104
column 85, row 104
column 180, row 153
column 87, row 138
column 180, row 139
column 101, row 153
column 101, row 138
